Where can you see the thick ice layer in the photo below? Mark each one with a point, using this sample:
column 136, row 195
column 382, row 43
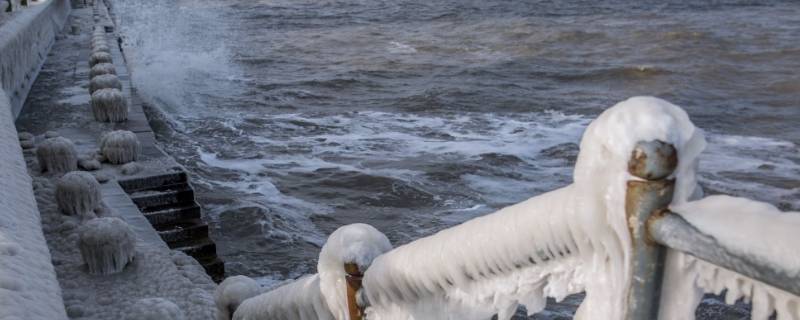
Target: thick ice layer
column 232, row 292
column 743, row 227
column 323, row 295
column 299, row 300
column 747, row 227
column 565, row 241
column 356, row 243
column 156, row 309
column 687, row 278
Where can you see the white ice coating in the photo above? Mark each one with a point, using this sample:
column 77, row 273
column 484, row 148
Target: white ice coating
column 561, row 242
column 78, row 194
column 299, row 300
column 104, row 81
column 323, row 295
column 232, row 292
column 355, row 243
column 108, row 105
column 99, row 57
column 57, row 155
column 120, row 146
column 743, row 227
column 107, row 245
column 156, row 309
column 100, row 47
column 102, row 68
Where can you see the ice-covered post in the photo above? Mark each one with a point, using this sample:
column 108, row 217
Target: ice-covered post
column 652, row 162
column 353, row 278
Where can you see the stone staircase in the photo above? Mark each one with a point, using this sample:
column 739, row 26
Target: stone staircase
column 167, row 201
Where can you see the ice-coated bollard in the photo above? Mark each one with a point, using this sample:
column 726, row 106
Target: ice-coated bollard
column 108, row 105
column 107, row 245
column 155, row 309
column 57, row 155
column 104, row 81
column 101, row 69
column 99, row 57
column 78, row 194
column 100, row 47
column 120, row 146
column 231, row 293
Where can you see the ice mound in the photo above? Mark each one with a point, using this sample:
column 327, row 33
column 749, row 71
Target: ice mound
column 107, row 245
column 108, row 105
column 232, row 292
column 104, row 81
column 120, row 146
column 99, row 57
column 102, row 68
column 78, row 194
column 57, row 155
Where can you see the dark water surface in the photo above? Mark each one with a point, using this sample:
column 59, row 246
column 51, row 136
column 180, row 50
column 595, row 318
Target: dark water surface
column 297, row 117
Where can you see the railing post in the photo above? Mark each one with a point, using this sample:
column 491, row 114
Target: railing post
column 353, row 279
column 653, row 161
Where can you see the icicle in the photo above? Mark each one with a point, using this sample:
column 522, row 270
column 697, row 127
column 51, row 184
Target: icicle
column 155, row 309
column 120, row 146
column 104, row 81
column 108, row 105
column 107, row 245
column 232, row 292
column 102, row 68
column 78, row 194
column 57, row 155
column 99, row 57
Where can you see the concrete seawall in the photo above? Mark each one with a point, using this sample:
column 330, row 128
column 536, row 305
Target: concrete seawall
column 25, row 40
column 29, row 288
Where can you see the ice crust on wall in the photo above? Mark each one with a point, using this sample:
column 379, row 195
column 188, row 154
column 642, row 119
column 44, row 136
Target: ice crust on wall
column 561, row 242
column 320, row 296
column 743, row 227
column 28, row 285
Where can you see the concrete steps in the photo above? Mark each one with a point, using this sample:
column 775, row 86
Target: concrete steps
column 167, row 201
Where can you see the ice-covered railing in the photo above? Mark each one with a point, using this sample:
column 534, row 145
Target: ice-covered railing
column 610, row 234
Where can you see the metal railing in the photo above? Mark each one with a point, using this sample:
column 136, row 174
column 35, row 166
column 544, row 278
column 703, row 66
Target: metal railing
column 653, row 229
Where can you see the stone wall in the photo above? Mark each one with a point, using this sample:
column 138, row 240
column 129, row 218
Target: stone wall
column 25, row 40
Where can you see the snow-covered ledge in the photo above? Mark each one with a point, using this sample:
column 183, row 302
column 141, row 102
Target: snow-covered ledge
column 25, row 40
column 28, row 285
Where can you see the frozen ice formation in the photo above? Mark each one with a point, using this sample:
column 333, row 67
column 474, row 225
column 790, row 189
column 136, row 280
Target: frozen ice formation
column 100, row 47
column 299, row 300
column 104, row 81
column 107, row 245
column 320, row 296
column 78, row 194
column 155, row 309
column 99, row 57
column 565, row 241
column 120, row 146
column 25, row 136
column 102, row 68
column 89, row 164
column 57, row 155
column 51, row 134
column 751, row 228
column 108, row 105
column 232, row 292
column 130, row 168
column 355, row 243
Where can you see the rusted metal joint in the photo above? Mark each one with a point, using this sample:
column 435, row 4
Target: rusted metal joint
column 353, row 277
column 653, row 160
